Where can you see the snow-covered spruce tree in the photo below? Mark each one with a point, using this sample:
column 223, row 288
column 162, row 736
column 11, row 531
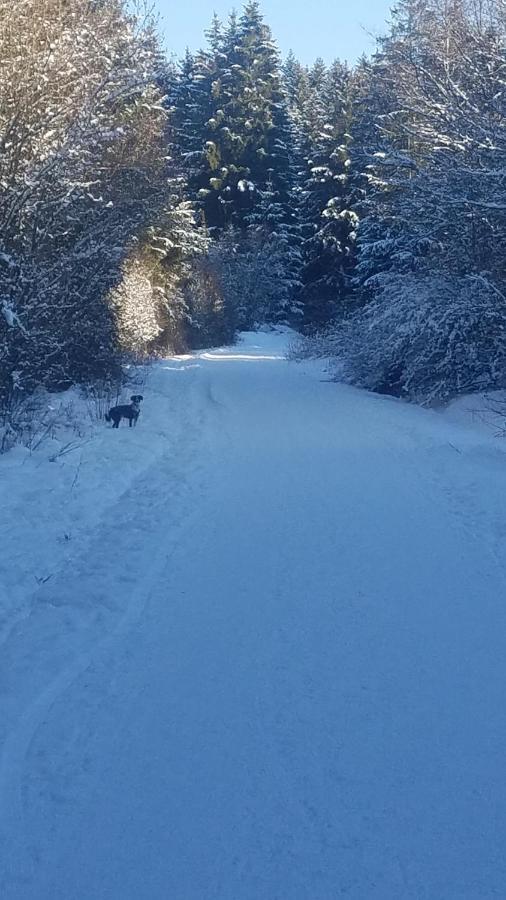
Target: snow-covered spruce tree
column 82, row 171
column 232, row 119
column 328, row 198
column 273, row 247
column 306, row 91
column 238, row 148
column 188, row 92
column 294, row 80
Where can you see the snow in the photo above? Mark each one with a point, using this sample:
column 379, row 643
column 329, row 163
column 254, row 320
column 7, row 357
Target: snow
column 269, row 663
column 9, row 315
column 6, row 258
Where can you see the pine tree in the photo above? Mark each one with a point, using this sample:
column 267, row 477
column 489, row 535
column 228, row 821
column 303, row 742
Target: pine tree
column 240, row 148
column 328, row 201
column 242, row 125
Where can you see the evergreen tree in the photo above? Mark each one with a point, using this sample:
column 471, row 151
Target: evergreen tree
column 240, row 127
column 329, row 196
column 239, row 146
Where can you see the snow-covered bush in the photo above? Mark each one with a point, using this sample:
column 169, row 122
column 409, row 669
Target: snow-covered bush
column 323, row 343
column 100, row 396
column 424, row 338
column 38, row 418
column 137, row 303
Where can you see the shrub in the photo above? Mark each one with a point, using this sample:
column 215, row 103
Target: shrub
column 424, row 338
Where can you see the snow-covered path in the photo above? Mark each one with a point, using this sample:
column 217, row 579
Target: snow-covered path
column 279, row 670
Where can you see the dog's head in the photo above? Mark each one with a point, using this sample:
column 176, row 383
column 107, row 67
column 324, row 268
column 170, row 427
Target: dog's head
column 136, row 399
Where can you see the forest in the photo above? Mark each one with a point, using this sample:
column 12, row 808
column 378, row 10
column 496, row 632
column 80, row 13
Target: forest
column 151, row 206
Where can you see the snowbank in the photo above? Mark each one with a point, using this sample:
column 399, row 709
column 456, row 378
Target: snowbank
column 55, row 496
column 482, row 412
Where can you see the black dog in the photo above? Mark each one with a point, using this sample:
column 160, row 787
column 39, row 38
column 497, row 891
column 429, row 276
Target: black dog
column 129, row 411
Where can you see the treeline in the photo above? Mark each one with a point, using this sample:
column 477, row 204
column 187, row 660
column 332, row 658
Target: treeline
column 366, row 205
column 147, row 206
column 428, row 162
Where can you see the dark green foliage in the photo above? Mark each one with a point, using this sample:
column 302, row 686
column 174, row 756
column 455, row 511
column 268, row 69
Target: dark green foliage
column 232, row 123
column 321, row 109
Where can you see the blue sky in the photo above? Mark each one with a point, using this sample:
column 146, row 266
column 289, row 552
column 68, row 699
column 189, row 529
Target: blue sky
column 312, row 28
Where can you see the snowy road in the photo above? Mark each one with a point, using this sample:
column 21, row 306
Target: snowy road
column 279, row 670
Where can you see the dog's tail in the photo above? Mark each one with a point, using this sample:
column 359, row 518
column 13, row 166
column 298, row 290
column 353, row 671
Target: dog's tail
column 107, row 417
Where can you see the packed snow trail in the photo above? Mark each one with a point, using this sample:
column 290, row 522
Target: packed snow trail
column 279, row 671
